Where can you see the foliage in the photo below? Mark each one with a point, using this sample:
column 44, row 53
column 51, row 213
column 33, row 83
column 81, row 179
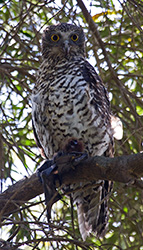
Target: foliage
column 120, row 26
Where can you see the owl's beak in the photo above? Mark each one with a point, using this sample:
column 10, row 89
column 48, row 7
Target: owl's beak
column 66, row 47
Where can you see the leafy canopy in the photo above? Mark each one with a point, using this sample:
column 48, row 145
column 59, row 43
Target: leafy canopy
column 120, row 26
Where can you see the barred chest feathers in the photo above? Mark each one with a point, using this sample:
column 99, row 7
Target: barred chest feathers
column 67, row 103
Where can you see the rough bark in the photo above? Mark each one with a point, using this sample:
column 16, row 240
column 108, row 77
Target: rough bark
column 125, row 169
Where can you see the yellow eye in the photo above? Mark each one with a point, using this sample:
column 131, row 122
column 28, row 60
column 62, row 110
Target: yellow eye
column 74, row 37
column 55, row 38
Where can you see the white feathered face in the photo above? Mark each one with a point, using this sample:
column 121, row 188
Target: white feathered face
column 63, row 41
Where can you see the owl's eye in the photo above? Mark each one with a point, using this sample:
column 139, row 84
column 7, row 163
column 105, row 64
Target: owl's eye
column 55, row 38
column 74, row 37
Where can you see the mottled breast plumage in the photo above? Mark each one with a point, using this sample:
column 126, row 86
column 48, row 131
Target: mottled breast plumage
column 69, row 100
column 67, row 105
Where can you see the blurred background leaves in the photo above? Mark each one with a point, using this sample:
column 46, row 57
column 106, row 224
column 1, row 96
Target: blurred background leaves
column 120, row 24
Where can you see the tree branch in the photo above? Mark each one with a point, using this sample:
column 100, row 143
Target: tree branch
column 18, row 194
column 94, row 28
column 120, row 169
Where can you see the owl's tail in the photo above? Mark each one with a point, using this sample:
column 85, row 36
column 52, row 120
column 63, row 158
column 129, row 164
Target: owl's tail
column 92, row 209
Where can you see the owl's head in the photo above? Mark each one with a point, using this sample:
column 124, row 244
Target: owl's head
column 63, row 41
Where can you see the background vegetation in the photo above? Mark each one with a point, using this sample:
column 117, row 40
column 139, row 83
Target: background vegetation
column 120, row 26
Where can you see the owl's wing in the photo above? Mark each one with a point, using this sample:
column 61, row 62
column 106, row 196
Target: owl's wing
column 98, row 92
column 100, row 101
column 92, row 203
column 101, row 98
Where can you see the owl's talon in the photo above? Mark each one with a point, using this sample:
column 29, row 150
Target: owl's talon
column 45, row 173
column 46, row 165
column 69, row 160
column 78, row 157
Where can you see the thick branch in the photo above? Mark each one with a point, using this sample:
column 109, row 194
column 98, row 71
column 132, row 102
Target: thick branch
column 121, row 169
column 19, row 193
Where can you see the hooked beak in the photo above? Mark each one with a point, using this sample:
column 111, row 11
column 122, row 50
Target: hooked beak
column 66, row 47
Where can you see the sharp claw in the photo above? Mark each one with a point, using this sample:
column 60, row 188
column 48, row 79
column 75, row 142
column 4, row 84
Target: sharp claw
column 46, row 165
column 49, row 180
column 78, row 158
column 45, row 173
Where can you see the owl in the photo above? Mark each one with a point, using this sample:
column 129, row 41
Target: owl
column 69, row 100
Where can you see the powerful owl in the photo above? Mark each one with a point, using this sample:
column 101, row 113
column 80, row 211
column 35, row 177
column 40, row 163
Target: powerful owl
column 69, row 100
